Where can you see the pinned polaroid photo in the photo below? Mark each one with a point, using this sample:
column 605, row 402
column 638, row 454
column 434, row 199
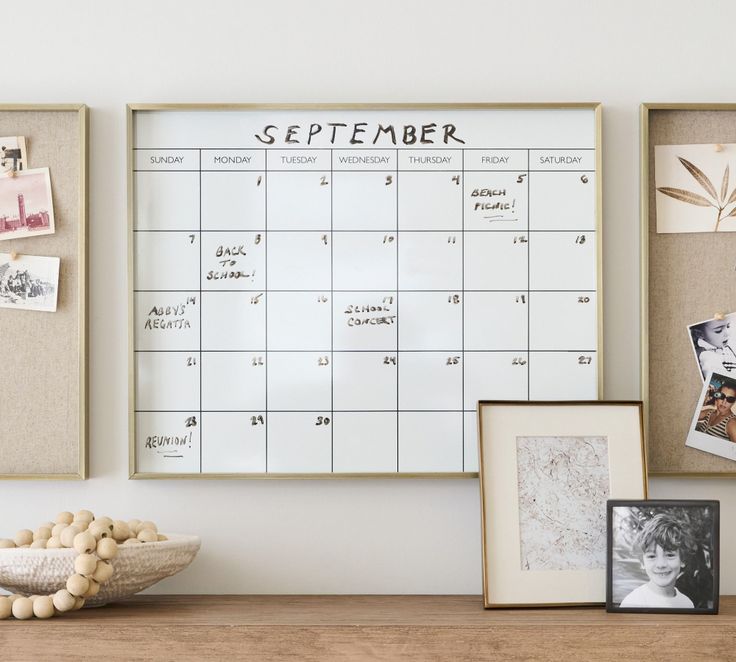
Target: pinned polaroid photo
column 13, row 154
column 29, row 282
column 695, row 187
column 713, row 428
column 26, row 207
column 711, row 341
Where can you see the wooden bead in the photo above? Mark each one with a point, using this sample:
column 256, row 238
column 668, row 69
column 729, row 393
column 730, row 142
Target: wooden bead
column 107, row 548
column 133, row 525
column 104, row 521
column 6, row 543
column 58, row 528
column 64, row 518
column 84, row 514
column 148, row 525
column 78, row 603
column 42, row 533
column 39, row 544
column 14, row 596
column 85, row 564
column 63, row 600
column 148, row 536
column 54, row 543
column 23, row 609
column 120, row 530
column 68, row 535
column 23, row 537
column 43, row 607
column 85, row 542
column 100, row 531
column 49, row 525
column 132, row 541
column 93, row 590
column 102, row 572
column 6, row 607
column 77, row 585
column 162, row 537
column 81, row 524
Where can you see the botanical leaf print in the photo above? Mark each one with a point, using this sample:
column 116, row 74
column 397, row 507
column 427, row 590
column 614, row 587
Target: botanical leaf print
column 686, row 196
column 699, row 176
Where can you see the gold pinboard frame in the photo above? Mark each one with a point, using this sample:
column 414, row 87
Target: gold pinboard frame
column 685, row 278
column 43, row 410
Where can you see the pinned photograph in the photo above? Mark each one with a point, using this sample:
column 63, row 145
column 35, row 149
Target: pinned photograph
column 13, row 154
column 29, row 282
column 713, row 428
column 663, row 556
column 696, row 187
column 26, row 208
column 711, row 341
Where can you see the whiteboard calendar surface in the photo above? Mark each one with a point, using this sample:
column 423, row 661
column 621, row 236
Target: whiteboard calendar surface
column 332, row 290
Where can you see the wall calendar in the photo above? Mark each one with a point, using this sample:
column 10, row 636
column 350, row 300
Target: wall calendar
column 329, row 290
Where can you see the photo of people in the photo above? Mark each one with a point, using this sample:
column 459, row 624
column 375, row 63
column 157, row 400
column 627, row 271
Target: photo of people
column 713, row 428
column 663, row 556
column 29, row 282
column 12, row 154
column 711, row 341
column 26, row 207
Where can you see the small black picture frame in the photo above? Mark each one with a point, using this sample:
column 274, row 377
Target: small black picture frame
column 663, row 556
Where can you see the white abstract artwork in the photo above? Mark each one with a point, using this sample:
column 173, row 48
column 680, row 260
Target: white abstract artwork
column 563, row 485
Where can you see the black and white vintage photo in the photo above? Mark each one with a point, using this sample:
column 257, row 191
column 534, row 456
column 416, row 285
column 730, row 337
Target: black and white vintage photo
column 29, row 282
column 12, row 154
column 663, row 556
column 26, row 207
column 713, row 427
column 711, row 341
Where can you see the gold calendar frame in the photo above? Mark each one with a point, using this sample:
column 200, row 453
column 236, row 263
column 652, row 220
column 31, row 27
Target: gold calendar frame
column 133, row 108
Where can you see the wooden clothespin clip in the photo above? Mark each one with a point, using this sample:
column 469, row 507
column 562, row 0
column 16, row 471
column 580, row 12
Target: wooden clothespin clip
column 718, row 147
column 13, row 256
column 719, row 316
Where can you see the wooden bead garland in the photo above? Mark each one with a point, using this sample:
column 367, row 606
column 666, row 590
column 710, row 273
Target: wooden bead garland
column 95, row 540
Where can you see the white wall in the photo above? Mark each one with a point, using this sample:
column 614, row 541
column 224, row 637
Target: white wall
column 344, row 536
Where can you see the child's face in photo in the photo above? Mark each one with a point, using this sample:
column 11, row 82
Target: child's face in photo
column 717, row 332
column 662, row 565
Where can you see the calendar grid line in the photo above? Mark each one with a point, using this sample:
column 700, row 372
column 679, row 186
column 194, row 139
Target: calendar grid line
column 408, row 230
column 260, row 289
column 462, row 304
column 399, row 170
column 285, row 148
column 528, row 281
column 265, row 303
column 332, row 321
column 201, row 436
column 305, row 411
column 368, row 351
column 398, row 436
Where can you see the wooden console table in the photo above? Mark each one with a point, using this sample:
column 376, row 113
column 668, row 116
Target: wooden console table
column 347, row 628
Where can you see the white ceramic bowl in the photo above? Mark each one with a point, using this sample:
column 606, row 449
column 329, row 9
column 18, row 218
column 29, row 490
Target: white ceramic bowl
column 45, row 571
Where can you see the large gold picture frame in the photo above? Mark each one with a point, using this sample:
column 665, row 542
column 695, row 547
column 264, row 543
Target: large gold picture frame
column 134, row 108
column 44, row 414
column 504, row 427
